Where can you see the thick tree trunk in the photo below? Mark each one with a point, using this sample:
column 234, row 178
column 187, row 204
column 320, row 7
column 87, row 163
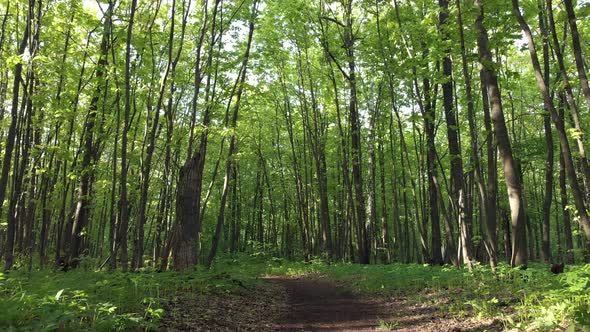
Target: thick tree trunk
column 185, row 240
column 186, row 243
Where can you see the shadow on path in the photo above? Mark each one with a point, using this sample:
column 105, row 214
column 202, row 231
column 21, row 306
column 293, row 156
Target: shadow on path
column 318, row 304
column 309, row 303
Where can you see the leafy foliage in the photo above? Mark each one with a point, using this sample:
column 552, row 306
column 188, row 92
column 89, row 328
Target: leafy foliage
column 84, row 299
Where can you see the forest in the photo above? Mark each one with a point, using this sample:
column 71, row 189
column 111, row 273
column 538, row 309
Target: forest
column 418, row 151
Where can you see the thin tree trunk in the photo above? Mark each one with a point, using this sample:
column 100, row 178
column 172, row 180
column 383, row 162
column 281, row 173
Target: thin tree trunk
column 11, row 137
column 123, row 201
column 363, row 224
column 567, row 227
column 233, row 142
column 83, row 197
column 429, row 114
column 490, row 238
column 546, row 231
column 490, row 81
column 577, row 46
column 457, row 185
column 577, row 193
column 147, row 164
column 371, row 162
column 571, row 100
column 385, row 236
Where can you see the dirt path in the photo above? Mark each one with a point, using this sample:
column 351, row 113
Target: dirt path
column 319, row 304
column 310, row 303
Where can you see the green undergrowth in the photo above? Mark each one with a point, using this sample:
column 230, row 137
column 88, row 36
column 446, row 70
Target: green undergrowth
column 83, row 300
column 531, row 299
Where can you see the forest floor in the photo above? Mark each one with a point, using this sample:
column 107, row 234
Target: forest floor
column 310, row 303
column 257, row 293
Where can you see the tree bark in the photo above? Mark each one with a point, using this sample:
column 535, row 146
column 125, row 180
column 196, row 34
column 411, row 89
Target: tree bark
column 186, row 240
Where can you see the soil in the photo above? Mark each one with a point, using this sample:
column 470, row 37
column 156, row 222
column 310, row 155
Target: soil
column 310, row 303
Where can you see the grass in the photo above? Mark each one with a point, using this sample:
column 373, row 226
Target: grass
column 387, row 325
column 101, row 301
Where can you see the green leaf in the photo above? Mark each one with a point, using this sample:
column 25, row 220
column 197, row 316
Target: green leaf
column 58, row 295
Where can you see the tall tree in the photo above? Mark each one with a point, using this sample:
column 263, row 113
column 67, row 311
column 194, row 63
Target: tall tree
column 188, row 197
column 570, row 98
column 559, row 125
column 546, row 244
column 457, row 185
column 488, row 210
column 349, row 40
column 231, row 120
column 577, row 47
column 490, row 81
column 123, row 203
column 84, row 190
column 11, row 137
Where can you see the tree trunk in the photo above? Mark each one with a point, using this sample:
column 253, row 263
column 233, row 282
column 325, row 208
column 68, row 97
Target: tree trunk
column 577, row 46
column 457, row 185
column 577, row 193
column 83, row 196
column 490, row 239
column 364, row 245
column 123, row 203
column 490, row 80
column 11, row 137
column 186, row 239
column 429, row 115
column 571, row 100
column 546, row 244
column 371, row 163
column 138, row 248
